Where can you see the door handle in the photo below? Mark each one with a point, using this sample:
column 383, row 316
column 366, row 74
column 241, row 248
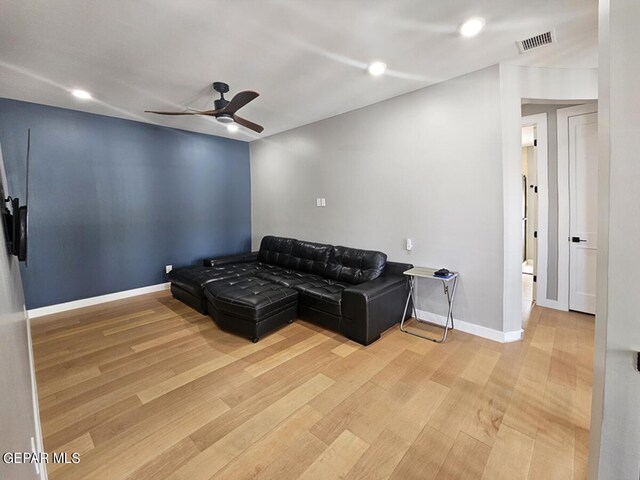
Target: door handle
column 577, row 240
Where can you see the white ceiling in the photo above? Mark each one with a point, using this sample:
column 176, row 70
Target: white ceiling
column 306, row 58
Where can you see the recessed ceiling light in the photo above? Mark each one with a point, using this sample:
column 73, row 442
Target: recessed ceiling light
column 232, row 127
column 83, row 94
column 377, row 68
column 472, row 27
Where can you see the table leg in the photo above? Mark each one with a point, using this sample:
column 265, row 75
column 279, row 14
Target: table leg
column 450, row 296
column 449, row 321
column 406, row 305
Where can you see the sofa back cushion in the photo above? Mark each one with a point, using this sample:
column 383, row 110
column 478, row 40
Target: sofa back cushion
column 276, row 250
column 355, row 266
column 310, row 257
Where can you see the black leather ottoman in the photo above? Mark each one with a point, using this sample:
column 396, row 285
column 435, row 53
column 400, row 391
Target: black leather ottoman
column 250, row 306
column 187, row 283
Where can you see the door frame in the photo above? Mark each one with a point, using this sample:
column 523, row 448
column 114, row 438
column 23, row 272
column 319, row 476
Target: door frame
column 539, row 120
column 564, row 204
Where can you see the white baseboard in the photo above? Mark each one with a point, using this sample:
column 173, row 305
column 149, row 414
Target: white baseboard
column 87, row 302
column 514, row 336
column 37, row 439
column 472, row 328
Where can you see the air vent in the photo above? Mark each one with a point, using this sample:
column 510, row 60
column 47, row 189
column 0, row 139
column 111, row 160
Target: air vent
column 537, row 41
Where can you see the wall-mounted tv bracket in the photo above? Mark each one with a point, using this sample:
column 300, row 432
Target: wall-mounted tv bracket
column 7, row 219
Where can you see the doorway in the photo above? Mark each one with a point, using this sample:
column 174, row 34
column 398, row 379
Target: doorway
column 534, row 208
column 529, row 211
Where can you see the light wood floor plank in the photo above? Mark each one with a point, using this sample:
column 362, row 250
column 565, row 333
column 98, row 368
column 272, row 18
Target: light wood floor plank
column 181, row 379
column 337, row 459
column 80, row 426
column 510, row 457
column 425, row 456
column 270, row 457
column 481, row 366
column 345, row 349
column 169, row 461
column 460, row 403
column 283, row 356
column 380, row 459
column 80, row 445
column 466, row 459
column 550, row 463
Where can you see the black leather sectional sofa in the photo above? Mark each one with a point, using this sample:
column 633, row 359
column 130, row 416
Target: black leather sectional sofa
column 355, row 292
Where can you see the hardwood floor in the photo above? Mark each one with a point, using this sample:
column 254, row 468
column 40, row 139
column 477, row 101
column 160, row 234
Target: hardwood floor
column 147, row 388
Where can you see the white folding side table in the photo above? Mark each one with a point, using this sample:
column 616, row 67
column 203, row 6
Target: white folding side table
column 424, row 272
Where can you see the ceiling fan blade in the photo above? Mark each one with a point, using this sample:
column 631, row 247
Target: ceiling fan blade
column 239, row 101
column 206, row 112
column 172, row 113
column 246, row 123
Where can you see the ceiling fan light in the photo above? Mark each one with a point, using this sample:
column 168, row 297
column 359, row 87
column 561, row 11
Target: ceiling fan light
column 224, row 118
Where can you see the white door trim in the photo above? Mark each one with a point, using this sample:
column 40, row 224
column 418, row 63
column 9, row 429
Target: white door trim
column 563, row 115
column 542, row 168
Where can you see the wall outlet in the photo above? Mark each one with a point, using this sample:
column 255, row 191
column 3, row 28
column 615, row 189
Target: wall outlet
column 168, row 268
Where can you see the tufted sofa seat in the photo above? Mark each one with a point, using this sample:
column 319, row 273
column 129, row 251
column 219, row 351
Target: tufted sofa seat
column 317, row 292
column 356, row 292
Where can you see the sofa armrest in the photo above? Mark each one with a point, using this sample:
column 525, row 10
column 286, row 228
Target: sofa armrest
column 396, row 268
column 238, row 258
column 368, row 309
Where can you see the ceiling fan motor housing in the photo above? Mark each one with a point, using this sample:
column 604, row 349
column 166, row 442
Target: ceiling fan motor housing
column 220, row 103
column 221, row 88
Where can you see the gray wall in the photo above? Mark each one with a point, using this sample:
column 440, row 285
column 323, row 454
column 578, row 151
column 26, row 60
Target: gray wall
column 615, row 428
column 552, row 156
column 114, row 201
column 17, row 417
column 425, row 166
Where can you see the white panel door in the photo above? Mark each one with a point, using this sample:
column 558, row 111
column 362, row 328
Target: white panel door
column 583, row 216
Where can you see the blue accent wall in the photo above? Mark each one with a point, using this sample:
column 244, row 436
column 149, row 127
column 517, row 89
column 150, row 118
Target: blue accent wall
column 113, row 201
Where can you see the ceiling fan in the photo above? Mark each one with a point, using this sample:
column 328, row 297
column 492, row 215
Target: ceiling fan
column 225, row 110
